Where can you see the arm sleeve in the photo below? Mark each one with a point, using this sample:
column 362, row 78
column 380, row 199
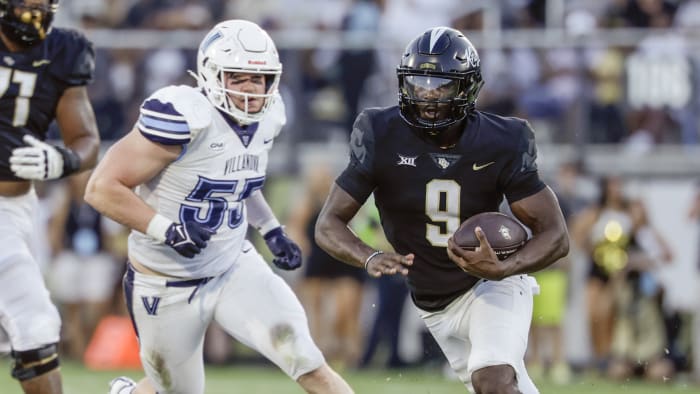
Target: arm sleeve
column 521, row 179
column 260, row 214
column 358, row 179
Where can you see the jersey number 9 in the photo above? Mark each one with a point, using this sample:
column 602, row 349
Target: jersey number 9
column 442, row 199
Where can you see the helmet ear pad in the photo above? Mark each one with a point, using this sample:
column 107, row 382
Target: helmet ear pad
column 446, row 54
column 25, row 24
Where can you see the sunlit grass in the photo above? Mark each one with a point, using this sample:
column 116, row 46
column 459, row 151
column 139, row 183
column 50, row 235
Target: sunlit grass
column 260, row 379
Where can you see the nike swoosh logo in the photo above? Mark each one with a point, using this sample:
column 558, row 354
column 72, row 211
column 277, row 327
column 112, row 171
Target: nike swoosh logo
column 268, row 141
column 41, row 62
column 476, row 167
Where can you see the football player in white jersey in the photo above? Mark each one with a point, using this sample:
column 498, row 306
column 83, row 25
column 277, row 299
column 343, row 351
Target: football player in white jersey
column 187, row 181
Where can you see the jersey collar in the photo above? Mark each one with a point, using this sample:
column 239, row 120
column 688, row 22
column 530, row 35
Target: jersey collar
column 244, row 133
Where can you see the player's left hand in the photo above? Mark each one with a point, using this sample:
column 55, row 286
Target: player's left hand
column 41, row 161
column 389, row 264
column 481, row 262
column 287, row 252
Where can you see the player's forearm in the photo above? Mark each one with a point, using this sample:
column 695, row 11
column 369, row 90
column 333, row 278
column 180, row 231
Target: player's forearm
column 86, row 147
column 260, row 214
column 76, row 120
column 335, row 237
column 539, row 252
column 119, row 203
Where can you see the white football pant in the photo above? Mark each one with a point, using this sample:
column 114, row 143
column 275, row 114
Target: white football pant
column 28, row 319
column 250, row 302
column 486, row 326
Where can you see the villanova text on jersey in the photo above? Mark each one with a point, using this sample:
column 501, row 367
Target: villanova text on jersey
column 244, row 162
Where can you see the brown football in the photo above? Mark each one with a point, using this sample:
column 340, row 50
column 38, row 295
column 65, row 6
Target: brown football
column 505, row 234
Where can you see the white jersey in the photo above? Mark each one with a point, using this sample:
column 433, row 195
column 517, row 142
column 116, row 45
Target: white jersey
column 221, row 164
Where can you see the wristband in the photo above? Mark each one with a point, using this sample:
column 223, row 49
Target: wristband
column 71, row 161
column 269, row 226
column 158, row 226
column 375, row 254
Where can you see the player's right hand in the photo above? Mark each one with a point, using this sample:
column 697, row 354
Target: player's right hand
column 188, row 238
column 41, row 161
column 389, row 264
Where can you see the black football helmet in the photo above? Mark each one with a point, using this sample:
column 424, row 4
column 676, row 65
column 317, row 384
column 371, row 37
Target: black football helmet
column 26, row 22
column 439, row 80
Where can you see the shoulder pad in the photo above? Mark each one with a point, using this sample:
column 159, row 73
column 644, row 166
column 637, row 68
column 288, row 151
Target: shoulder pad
column 362, row 141
column 527, row 147
column 72, row 57
column 174, row 115
column 517, row 141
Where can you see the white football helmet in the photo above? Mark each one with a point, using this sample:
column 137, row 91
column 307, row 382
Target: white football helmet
column 237, row 46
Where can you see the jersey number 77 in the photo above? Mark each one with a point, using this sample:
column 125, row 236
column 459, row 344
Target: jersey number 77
column 27, row 83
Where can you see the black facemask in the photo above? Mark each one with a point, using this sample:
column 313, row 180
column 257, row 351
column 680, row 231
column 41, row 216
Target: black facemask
column 26, row 25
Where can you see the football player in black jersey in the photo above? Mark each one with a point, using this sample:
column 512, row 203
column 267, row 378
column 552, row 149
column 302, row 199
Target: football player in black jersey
column 432, row 162
column 43, row 74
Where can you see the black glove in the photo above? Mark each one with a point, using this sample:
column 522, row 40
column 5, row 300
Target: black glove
column 189, row 238
column 287, row 252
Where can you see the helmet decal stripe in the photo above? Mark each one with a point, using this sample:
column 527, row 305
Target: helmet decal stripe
column 435, row 35
column 210, row 40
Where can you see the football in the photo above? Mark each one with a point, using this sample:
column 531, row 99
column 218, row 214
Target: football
column 505, row 234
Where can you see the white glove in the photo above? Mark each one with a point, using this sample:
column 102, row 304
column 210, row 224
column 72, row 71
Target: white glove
column 38, row 161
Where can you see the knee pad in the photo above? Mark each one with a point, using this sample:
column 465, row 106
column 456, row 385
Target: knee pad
column 29, row 364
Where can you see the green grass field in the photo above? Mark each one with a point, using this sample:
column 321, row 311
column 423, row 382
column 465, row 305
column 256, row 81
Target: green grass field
column 253, row 380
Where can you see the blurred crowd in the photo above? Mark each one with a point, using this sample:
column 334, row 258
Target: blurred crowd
column 609, row 289
column 639, row 92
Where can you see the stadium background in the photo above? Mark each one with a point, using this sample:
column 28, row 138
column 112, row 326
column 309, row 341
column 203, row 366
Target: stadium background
column 610, row 86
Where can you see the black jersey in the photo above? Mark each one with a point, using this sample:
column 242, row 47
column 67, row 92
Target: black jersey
column 424, row 193
column 31, row 83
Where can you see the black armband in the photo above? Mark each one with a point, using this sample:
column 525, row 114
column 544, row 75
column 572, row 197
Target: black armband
column 71, row 161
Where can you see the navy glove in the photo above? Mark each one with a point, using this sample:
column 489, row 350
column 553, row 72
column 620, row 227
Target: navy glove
column 189, row 238
column 287, row 253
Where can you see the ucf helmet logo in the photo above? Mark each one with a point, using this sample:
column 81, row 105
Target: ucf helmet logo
column 472, row 57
